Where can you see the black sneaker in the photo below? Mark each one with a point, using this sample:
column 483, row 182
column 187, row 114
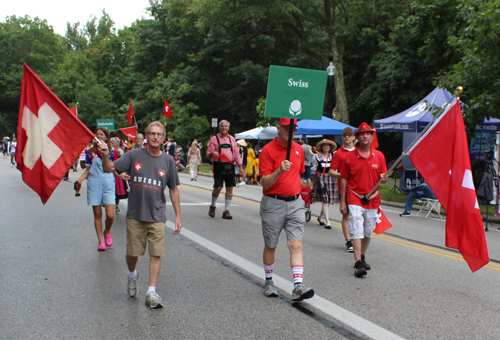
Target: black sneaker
column 367, row 266
column 405, row 214
column 348, row 246
column 359, row 269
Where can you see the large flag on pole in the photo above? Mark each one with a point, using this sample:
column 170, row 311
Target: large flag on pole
column 441, row 155
column 130, row 114
column 49, row 136
column 167, row 110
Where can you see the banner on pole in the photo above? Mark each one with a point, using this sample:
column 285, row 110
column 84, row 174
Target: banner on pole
column 295, row 93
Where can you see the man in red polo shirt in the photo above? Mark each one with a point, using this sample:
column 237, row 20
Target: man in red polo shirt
column 361, row 171
column 283, row 208
column 337, row 161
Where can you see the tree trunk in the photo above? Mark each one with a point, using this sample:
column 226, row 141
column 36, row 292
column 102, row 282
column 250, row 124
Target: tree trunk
column 340, row 112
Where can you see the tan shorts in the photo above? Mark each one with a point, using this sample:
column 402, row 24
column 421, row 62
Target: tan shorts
column 140, row 233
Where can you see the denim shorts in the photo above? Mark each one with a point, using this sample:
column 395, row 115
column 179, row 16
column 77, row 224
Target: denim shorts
column 101, row 190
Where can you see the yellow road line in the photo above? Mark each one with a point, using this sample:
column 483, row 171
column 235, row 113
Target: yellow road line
column 387, row 238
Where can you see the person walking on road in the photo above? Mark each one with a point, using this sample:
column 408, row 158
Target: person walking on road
column 12, row 151
column 326, row 188
column 100, row 190
column 194, row 160
column 282, row 207
column 348, row 139
column 308, row 161
column 361, row 171
column 150, row 171
column 139, row 141
column 223, row 144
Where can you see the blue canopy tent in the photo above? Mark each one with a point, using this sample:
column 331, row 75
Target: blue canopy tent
column 416, row 118
column 325, row 126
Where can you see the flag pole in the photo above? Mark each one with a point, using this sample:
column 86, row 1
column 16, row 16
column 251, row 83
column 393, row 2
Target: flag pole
column 290, row 137
column 459, row 90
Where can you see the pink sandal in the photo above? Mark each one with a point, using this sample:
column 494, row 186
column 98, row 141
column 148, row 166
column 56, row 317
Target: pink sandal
column 101, row 247
column 108, row 239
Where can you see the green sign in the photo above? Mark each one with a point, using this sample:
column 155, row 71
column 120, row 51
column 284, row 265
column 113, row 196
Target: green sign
column 107, row 123
column 295, row 93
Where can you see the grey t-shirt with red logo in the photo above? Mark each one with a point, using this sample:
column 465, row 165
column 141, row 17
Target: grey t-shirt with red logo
column 149, row 175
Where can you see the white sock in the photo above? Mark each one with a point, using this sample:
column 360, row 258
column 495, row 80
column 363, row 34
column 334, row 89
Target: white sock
column 298, row 273
column 227, row 202
column 133, row 274
column 151, row 289
column 214, row 200
column 269, row 268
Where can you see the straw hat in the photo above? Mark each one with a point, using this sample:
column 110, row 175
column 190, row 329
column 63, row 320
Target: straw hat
column 332, row 144
column 241, row 142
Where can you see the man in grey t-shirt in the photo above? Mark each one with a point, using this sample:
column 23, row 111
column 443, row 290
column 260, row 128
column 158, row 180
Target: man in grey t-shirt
column 150, row 172
column 307, row 161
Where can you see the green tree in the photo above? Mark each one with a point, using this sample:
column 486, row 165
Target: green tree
column 24, row 40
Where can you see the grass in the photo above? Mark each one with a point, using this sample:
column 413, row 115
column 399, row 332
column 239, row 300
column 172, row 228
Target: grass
column 386, row 194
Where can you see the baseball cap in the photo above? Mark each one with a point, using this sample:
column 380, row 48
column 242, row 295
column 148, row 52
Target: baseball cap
column 286, row 121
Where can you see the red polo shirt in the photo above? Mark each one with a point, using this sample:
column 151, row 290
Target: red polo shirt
column 339, row 157
column 271, row 156
column 362, row 174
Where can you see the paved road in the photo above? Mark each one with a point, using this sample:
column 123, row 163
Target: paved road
column 57, row 286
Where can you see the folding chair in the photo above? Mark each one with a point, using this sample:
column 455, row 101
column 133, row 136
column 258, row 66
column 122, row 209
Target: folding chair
column 430, row 205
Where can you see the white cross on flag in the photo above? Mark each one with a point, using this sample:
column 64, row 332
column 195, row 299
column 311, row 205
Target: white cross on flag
column 50, row 136
column 442, row 157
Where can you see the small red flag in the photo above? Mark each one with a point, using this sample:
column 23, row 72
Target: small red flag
column 383, row 223
column 130, row 114
column 167, row 111
column 49, row 136
column 130, row 132
column 75, row 111
column 224, row 158
column 374, row 143
column 442, row 157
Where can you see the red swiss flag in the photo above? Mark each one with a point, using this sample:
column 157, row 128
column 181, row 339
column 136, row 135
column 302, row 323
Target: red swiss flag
column 130, row 114
column 49, row 137
column 442, row 157
column 130, row 132
column 167, row 111
column 383, row 223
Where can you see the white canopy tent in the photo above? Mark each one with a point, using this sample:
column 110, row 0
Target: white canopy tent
column 265, row 133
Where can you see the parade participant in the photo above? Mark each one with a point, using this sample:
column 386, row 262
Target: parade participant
column 361, row 171
column 307, row 176
column 150, row 172
column 223, row 144
column 348, row 139
column 139, row 141
column 100, row 190
column 282, row 207
column 194, row 160
column 12, row 151
column 121, row 187
column 325, row 186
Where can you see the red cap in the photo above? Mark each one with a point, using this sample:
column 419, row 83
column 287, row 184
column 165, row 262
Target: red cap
column 364, row 128
column 286, row 121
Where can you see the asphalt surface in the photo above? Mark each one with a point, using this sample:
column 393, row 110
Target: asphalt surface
column 57, row 286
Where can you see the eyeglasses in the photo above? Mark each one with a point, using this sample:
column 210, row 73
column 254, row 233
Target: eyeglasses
column 155, row 134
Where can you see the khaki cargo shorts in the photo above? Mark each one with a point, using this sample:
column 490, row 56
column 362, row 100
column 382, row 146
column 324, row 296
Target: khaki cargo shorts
column 140, row 234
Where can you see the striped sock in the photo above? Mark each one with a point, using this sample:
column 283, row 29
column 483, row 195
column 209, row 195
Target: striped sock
column 269, row 268
column 298, row 273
